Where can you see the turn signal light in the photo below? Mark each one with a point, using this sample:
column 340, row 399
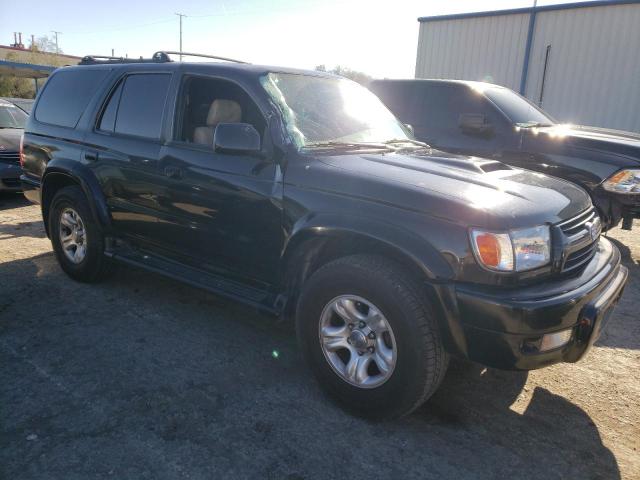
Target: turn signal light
column 488, row 249
column 494, row 250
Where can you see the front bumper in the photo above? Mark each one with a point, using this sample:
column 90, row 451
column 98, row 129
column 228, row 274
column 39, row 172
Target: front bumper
column 615, row 207
column 500, row 329
column 30, row 188
column 10, row 177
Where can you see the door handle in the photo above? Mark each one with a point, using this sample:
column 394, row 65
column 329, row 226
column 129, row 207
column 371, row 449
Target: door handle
column 91, row 156
column 173, row 172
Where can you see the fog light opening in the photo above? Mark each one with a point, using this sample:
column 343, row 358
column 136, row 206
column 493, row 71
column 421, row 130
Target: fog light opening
column 551, row 341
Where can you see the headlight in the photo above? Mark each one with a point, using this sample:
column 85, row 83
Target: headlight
column 517, row 250
column 624, row 181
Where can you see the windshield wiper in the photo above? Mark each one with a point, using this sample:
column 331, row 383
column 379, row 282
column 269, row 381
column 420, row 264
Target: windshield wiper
column 396, row 141
column 533, row 124
column 348, row 145
column 407, row 145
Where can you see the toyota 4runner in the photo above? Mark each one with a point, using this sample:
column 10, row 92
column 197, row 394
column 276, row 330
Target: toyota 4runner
column 299, row 193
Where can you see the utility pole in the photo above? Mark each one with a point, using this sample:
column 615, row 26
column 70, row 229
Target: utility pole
column 56, row 34
column 180, row 15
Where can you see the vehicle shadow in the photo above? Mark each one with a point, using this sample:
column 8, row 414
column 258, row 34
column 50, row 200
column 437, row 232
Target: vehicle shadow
column 141, row 356
column 551, row 437
column 22, row 229
column 12, row 200
column 623, row 330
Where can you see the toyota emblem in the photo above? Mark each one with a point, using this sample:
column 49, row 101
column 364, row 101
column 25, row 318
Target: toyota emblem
column 595, row 228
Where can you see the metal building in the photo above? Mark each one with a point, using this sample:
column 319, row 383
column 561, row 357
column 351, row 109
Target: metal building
column 579, row 61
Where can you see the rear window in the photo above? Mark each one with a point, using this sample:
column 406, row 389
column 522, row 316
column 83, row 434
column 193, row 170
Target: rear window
column 66, row 95
column 136, row 106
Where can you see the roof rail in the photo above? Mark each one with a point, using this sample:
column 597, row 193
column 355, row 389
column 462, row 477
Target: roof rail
column 187, row 54
column 158, row 57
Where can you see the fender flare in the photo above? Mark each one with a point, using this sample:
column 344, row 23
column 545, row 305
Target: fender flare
column 87, row 180
column 407, row 243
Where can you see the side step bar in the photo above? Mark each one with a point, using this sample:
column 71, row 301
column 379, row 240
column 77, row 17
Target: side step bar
column 255, row 297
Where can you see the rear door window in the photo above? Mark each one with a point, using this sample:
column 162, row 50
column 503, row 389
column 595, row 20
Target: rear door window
column 67, row 94
column 141, row 105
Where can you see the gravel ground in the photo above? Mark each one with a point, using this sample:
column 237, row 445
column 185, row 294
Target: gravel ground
column 142, row 377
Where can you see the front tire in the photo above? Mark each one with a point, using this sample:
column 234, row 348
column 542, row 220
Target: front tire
column 77, row 240
column 370, row 337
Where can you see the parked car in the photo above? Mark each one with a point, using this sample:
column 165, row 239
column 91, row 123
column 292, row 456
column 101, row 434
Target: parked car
column 24, row 104
column 299, row 193
column 474, row 118
column 12, row 121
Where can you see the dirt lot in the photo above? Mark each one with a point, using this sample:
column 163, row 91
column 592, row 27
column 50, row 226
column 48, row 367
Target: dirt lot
column 141, row 377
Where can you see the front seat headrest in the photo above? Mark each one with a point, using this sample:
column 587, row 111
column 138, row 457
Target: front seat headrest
column 224, row 111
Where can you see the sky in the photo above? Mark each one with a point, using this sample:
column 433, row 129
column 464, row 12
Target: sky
column 376, row 37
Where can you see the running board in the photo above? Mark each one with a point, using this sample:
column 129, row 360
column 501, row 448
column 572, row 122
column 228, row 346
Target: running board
column 219, row 285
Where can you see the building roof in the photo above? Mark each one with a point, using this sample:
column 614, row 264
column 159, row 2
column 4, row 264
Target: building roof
column 543, row 8
column 27, row 70
column 28, row 50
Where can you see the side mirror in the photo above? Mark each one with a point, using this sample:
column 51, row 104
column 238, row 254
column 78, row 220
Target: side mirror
column 410, row 128
column 236, row 138
column 474, row 123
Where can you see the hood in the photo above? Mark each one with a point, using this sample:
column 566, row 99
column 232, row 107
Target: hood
column 10, row 139
column 468, row 190
column 618, row 142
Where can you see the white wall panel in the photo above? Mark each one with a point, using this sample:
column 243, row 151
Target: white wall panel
column 485, row 48
column 593, row 73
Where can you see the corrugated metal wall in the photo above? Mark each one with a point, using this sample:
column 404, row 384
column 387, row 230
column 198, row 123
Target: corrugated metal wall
column 485, row 49
column 593, row 72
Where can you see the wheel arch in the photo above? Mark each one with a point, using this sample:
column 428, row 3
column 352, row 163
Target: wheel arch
column 326, row 238
column 63, row 174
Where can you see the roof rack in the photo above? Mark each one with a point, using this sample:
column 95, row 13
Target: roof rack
column 188, row 54
column 158, row 57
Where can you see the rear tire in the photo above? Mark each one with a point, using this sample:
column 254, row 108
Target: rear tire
column 77, row 240
column 366, row 288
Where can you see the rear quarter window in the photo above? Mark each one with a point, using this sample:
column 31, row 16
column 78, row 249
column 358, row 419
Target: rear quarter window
column 66, row 95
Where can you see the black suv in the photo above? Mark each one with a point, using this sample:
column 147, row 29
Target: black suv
column 301, row 194
column 475, row 118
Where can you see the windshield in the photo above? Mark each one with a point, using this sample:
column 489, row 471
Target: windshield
column 517, row 108
column 12, row 117
column 323, row 110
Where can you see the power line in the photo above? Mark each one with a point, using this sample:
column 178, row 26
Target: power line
column 115, row 29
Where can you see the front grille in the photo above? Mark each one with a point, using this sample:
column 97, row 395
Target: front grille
column 10, row 156
column 581, row 234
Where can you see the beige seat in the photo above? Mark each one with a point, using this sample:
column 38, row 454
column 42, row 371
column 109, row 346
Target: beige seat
column 220, row 111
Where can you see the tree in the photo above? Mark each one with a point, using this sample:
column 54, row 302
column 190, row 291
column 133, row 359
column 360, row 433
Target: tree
column 11, row 86
column 360, row 77
column 46, row 44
